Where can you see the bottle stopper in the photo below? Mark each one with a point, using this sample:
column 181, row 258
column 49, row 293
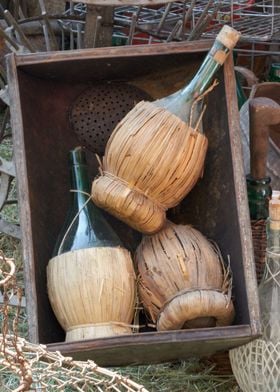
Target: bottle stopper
column 228, row 36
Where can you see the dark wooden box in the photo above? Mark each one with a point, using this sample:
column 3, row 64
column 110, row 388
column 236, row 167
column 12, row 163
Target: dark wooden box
column 42, row 87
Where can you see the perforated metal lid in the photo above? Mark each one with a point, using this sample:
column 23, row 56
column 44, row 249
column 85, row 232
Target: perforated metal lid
column 96, row 112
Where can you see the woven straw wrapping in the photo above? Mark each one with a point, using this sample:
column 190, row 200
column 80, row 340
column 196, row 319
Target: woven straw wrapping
column 37, row 369
column 256, row 366
column 92, row 292
column 152, row 160
column 182, row 282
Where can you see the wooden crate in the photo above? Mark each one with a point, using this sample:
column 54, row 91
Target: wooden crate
column 42, row 87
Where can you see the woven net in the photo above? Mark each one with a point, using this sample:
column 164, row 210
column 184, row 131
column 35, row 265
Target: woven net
column 256, row 366
column 37, row 369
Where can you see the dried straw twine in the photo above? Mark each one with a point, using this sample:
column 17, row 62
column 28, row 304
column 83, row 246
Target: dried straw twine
column 152, row 160
column 182, row 281
column 37, row 369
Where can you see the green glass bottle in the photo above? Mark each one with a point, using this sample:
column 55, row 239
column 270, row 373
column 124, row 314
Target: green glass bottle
column 269, row 289
column 90, row 278
column 85, row 226
column 181, row 102
column 259, row 193
column 274, row 72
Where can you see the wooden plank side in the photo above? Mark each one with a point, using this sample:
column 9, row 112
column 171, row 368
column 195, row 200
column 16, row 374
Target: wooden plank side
column 23, row 197
column 155, row 347
column 48, row 130
column 124, row 2
column 109, row 52
column 241, row 197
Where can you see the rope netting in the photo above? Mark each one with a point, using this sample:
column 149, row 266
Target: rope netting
column 37, row 369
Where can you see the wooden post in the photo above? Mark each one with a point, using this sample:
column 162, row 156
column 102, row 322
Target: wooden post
column 99, row 26
column 99, row 19
column 52, row 7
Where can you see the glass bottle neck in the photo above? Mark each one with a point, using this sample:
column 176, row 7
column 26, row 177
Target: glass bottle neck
column 273, row 237
column 203, row 77
column 86, row 212
column 181, row 103
column 80, row 186
column 259, row 193
column 84, row 226
column 272, row 265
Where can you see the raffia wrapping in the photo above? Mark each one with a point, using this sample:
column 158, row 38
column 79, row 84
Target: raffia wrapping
column 182, row 281
column 152, row 160
column 33, row 367
column 92, row 292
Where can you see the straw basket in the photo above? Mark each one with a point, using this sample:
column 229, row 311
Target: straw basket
column 92, row 292
column 182, row 280
column 152, row 160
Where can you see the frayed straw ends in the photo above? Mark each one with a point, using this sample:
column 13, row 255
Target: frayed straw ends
column 128, row 204
column 178, row 267
column 92, row 292
column 205, row 308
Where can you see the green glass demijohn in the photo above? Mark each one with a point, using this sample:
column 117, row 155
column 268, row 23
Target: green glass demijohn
column 90, row 278
column 85, row 226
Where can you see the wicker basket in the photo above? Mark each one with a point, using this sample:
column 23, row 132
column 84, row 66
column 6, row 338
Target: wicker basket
column 259, row 244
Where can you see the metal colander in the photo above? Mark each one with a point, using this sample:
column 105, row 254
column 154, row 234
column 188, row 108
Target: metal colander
column 97, row 110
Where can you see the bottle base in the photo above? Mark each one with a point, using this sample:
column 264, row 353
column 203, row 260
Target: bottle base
column 128, row 204
column 96, row 331
column 196, row 309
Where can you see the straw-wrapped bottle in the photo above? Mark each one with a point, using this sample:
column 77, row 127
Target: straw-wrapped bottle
column 182, row 280
column 91, row 280
column 156, row 153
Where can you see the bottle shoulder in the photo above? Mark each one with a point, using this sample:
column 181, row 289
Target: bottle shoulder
column 84, row 231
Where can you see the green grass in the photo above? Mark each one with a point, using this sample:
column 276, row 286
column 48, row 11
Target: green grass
column 189, row 376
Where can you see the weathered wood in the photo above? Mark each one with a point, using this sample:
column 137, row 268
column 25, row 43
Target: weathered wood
column 23, row 195
column 125, row 52
column 155, row 347
column 7, row 167
column 4, row 188
column 124, row 2
column 217, row 206
column 52, row 7
column 98, row 26
column 241, row 201
column 10, row 229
